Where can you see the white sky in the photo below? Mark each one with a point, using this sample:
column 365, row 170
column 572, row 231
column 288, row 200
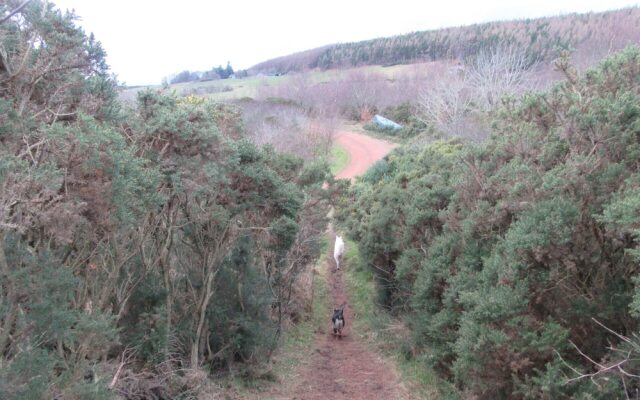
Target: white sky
column 147, row 40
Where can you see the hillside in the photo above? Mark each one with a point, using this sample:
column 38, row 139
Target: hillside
column 591, row 35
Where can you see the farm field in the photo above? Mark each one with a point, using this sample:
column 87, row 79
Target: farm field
column 253, row 86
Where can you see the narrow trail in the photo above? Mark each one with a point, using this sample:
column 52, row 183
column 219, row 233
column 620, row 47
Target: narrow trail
column 343, row 367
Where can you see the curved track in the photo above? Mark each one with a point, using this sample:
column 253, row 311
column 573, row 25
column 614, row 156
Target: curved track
column 363, row 151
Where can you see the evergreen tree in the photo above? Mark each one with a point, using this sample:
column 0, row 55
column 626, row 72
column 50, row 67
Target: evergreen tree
column 228, row 71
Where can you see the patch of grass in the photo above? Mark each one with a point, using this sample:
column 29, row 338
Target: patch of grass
column 339, row 158
column 387, row 335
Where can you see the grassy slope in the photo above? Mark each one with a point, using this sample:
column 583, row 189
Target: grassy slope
column 246, row 87
column 251, row 86
column 386, row 335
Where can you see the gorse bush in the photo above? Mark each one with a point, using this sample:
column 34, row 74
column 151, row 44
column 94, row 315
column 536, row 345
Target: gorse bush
column 137, row 245
column 500, row 255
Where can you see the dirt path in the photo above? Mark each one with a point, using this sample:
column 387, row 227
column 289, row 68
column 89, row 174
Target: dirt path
column 343, row 367
column 363, row 151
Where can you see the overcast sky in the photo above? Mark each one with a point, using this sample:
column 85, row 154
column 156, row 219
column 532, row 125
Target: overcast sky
column 147, row 40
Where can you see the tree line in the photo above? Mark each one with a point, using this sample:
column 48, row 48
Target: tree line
column 211, row 75
column 591, row 35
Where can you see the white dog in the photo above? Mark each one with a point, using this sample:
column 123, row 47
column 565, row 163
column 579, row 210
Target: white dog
column 338, row 250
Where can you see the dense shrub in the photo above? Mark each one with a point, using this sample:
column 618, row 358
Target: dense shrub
column 138, row 246
column 501, row 255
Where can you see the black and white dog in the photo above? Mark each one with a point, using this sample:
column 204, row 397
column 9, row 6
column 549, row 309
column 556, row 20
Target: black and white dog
column 338, row 320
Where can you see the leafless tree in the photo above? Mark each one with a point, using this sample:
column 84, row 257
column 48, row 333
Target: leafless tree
column 458, row 104
column 448, row 105
column 499, row 72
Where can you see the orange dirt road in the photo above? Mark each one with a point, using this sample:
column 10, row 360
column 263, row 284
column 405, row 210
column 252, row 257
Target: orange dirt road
column 363, row 151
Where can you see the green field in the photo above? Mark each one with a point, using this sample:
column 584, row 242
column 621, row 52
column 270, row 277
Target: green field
column 231, row 89
column 239, row 88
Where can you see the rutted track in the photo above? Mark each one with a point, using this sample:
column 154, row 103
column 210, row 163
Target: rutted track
column 344, row 368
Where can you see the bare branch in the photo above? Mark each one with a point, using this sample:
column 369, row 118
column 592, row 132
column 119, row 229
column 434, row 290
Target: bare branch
column 126, row 357
column 623, row 338
column 586, row 356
